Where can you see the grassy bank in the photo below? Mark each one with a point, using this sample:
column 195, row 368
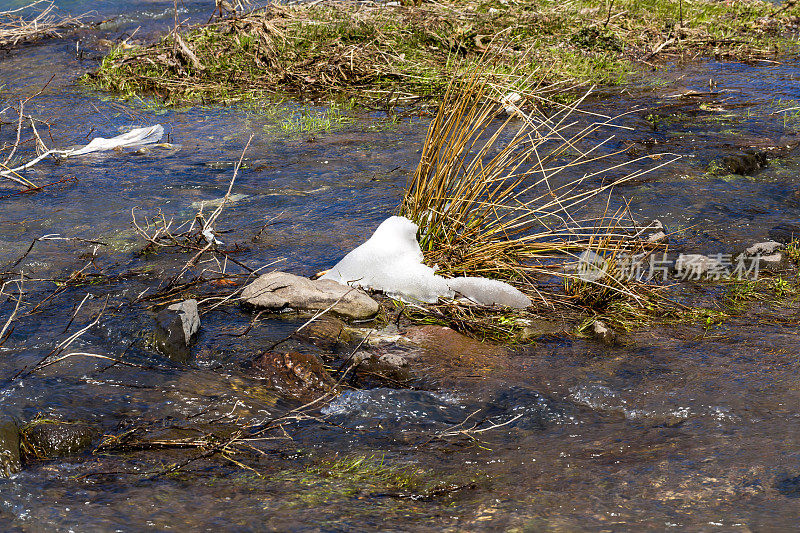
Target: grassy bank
column 397, row 53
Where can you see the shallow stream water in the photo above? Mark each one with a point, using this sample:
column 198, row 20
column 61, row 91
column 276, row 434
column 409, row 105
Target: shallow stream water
column 683, row 428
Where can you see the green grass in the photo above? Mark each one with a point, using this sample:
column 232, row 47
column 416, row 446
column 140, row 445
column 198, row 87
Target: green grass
column 793, row 251
column 358, row 476
column 311, row 121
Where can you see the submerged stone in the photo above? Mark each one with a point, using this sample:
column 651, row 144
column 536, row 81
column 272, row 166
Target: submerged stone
column 745, row 164
column 9, row 447
column 294, row 374
column 395, row 410
column 525, row 409
column 281, row 290
column 48, row 440
column 789, row 486
column 326, row 332
column 535, row 328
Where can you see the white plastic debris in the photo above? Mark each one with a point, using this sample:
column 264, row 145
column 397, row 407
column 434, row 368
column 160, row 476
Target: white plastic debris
column 135, row 137
column 391, row 262
column 208, row 235
column 511, row 103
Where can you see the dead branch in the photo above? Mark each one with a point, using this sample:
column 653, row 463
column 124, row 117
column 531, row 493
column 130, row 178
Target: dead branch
column 35, row 21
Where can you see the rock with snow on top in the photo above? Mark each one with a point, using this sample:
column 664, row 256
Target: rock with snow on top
column 391, row 262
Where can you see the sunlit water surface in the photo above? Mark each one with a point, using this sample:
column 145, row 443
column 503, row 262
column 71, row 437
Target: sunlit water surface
column 680, row 428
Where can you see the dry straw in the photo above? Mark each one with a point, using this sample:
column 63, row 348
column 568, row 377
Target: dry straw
column 31, row 22
column 500, row 184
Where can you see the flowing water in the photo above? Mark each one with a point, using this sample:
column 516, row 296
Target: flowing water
column 677, row 428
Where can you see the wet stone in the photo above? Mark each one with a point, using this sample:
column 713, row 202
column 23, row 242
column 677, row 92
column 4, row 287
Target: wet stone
column 745, row 164
column 654, row 232
column 48, row 440
column 280, row 290
column 327, row 333
column 603, row 333
column 380, row 368
column 9, row 447
column 181, row 321
column 392, row 360
column 789, row 486
column 450, row 359
column 294, row 374
column 395, row 410
column 769, row 253
column 177, row 325
column 536, row 328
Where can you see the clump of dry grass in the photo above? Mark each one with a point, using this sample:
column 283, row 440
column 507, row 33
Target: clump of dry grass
column 37, row 20
column 495, row 195
column 399, row 53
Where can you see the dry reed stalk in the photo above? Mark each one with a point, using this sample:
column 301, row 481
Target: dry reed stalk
column 492, row 195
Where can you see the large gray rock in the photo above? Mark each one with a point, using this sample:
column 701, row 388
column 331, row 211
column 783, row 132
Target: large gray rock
column 765, row 248
column 281, row 290
column 9, row 447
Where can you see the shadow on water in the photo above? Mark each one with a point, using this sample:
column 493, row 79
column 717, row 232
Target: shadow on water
column 680, row 428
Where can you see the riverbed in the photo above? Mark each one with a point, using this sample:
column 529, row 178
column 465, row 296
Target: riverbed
column 683, row 427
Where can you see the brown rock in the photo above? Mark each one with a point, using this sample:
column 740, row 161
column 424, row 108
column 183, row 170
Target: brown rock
column 47, row 440
column 280, row 290
column 603, row 333
column 452, row 357
column 294, row 374
column 326, row 332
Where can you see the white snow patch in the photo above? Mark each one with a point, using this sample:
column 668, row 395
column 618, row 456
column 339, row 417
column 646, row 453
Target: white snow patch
column 485, row 291
column 391, row 262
